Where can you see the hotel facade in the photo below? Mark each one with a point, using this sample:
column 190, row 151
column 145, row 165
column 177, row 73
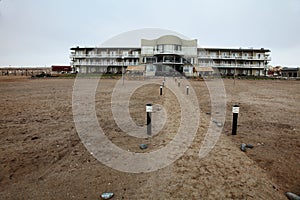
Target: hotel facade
column 169, row 54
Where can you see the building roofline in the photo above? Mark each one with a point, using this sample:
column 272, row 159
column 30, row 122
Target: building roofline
column 198, row 48
column 235, row 49
column 98, row 47
column 290, row 68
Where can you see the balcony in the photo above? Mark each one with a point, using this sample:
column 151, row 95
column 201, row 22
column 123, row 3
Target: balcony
column 238, row 66
column 266, row 58
column 104, row 56
column 85, row 63
column 155, row 52
column 169, row 62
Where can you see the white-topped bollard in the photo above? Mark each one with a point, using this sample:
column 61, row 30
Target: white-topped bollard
column 149, row 111
column 187, row 90
column 235, row 111
column 160, row 90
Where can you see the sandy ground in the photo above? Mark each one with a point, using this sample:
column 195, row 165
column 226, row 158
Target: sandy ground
column 42, row 156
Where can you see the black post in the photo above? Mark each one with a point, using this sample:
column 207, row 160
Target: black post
column 235, row 111
column 149, row 110
column 163, row 84
column 187, row 90
column 178, row 83
column 160, row 90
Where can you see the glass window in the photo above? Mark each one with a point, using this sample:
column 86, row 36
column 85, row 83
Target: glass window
column 147, row 50
column 168, row 48
column 177, row 47
column 160, row 48
column 125, row 53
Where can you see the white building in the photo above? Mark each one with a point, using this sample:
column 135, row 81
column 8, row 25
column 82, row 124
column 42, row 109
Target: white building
column 168, row 54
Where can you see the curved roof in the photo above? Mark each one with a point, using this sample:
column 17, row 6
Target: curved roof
column 169, row 39
column 133, row 38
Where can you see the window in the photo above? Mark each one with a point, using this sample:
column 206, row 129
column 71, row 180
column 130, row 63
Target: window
column 213, row 54
column 160, row 48
column 168, row 48
column 147, row 50
column 177, row 47
column 225, row 54
column 125, row 53
column 112, row 53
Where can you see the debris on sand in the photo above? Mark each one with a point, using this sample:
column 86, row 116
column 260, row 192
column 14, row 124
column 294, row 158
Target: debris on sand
column 219, row 124
column 35, row 138
column 292, row 196
column 107, row 195
column 143, row 146
column 243, row 147
column 260, row 143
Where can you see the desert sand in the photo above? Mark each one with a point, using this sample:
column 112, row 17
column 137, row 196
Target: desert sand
column 42, row 156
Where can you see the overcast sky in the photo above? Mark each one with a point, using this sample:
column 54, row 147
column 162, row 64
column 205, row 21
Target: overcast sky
column 41, row 32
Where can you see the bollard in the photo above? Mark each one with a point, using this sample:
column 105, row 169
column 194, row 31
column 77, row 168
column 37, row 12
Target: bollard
column 160, row 90
column 178, row 83
column 149, row 111
column 187, row 90
column 164, row 78
column 163, row 83
column 235, row 111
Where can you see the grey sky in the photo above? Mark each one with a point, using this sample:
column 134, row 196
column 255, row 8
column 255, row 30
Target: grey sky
column 40, row 32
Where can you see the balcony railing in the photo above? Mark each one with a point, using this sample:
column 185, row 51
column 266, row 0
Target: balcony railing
column 234, row 57
column 169, row 62
column 168, row 52
column 104, row 56
column 105, row 63
column 237, row 66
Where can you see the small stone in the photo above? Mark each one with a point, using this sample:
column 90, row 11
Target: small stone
column 249, row 146
column 292, row 196
column 219, row 124
column 143, row 146
column 243, row 147
column 34, row 138
column 107, row 195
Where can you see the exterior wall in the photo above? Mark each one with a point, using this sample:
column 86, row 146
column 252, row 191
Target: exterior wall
column 290, row 72
column 169, row 53
column 168, row 45
column 172, row 51
column 103, row 60
column 248, row 62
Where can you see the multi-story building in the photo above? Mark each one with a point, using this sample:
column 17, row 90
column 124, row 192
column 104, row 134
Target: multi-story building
column 168, row 54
